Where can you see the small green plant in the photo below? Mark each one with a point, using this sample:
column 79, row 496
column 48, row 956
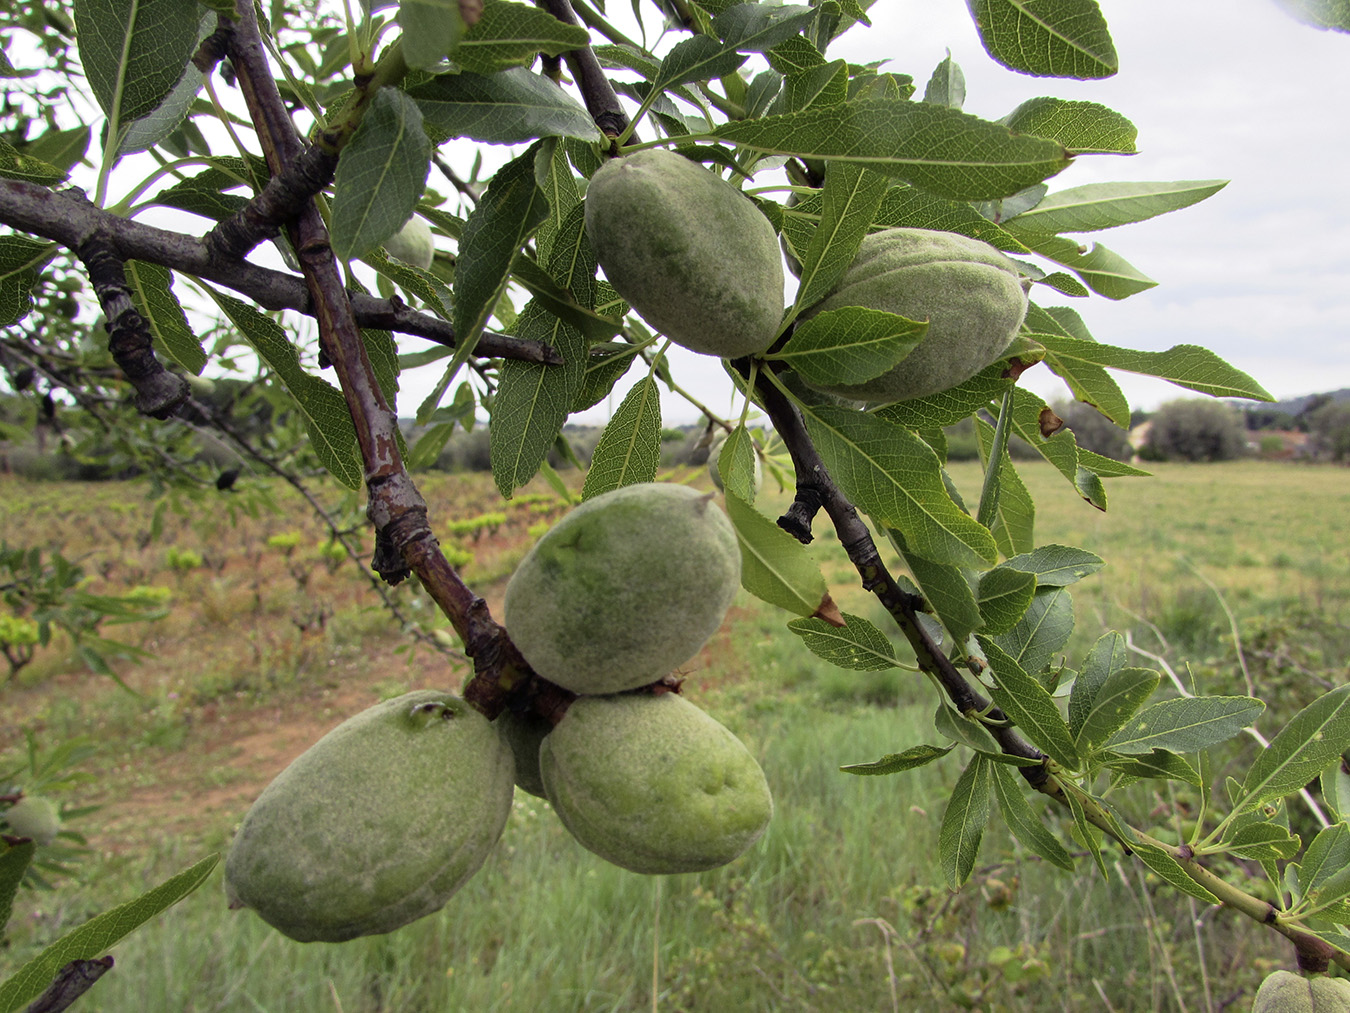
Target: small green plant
column 47, row 596
column 182, row 559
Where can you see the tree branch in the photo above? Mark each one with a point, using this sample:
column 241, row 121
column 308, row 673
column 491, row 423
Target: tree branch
column 596, row 91
column 68, row 218
column 71, row 982
column 394, row 505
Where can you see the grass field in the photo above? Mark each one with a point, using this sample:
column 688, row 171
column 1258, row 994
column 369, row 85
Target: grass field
column 270, row 641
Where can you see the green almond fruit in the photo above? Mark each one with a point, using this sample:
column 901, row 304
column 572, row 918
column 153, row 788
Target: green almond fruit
column 377, row 824
column 692, row 254
column 653, row 784
column 1287, row 992
column 971, row 295
column 413, row 244
column 34, row 817
column 525, row 733
column 625, row 588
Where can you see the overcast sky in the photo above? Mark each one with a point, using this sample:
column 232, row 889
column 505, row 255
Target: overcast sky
column 1260, row 272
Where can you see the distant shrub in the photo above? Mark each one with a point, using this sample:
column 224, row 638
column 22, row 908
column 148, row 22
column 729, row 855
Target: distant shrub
column 1329, row 429
column 1195, row 430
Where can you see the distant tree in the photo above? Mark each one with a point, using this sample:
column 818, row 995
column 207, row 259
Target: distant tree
column 1258, row 417
column 1195, row 430
column 1329, row 427
column 1095, row 431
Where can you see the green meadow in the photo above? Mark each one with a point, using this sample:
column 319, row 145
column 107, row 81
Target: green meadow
column 1235, row 577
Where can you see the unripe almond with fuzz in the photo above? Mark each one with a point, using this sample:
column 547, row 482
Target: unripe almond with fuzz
column 653, row 784
column 625, row 588
column 693, row 254
column 377, row 824
column 1287, row 992
column 35, row 817
column 970, row 294
column 412, row 244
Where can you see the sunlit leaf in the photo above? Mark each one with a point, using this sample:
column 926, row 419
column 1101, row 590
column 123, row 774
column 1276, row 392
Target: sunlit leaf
column 1313, row 739
column 857, row 645
column 1048, row 38
column 1186, row 725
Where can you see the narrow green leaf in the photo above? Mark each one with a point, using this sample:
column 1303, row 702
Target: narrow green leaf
column 850, row 344
column 894, row 763
column 893, row 475
column 1060, row 449
column 1029, row 705
column 1327, row 856
column 1003, row 597
column 98, row 934
column 21, row 259
column 156, row 126
column 431, row 31
column 1042, row 630
column 1159, row 764
column 737, row 465
column 14, row 862
column 509, row 107
column 1189, row 366
column 64, row 149
column 1260, row 841
column 1108, row 655
column 152, row 288
column 964, row 821
column 1115, row 701
column 1107, row 205
column 947, row 85
column 941, row 150
column 945, row 588
column 1082, row 127
column 951, row 406
column 381, row 174
column 1087, row 832
column 1102, row 270
column 1025, row 825
column 1324, row 14
column 504, row 218
column 857, row 645
column 1056, row 565
column 1047, row 38
column 629, row 449
column 757, row 28
column 332, row 435
column 1186, row 725
column 1313, row 740
column 1335, row 783
column 697, row 58
column 775, row 567
column 134, row 53
column 513, row 35
column 963, row 730
column 850, row 200
column 1170, row 870
column 15, row 164
column 532, row 401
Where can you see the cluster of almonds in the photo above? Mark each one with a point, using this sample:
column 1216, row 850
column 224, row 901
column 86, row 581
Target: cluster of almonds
column 382, row 820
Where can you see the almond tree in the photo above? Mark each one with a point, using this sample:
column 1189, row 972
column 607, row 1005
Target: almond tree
column 319, row 133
